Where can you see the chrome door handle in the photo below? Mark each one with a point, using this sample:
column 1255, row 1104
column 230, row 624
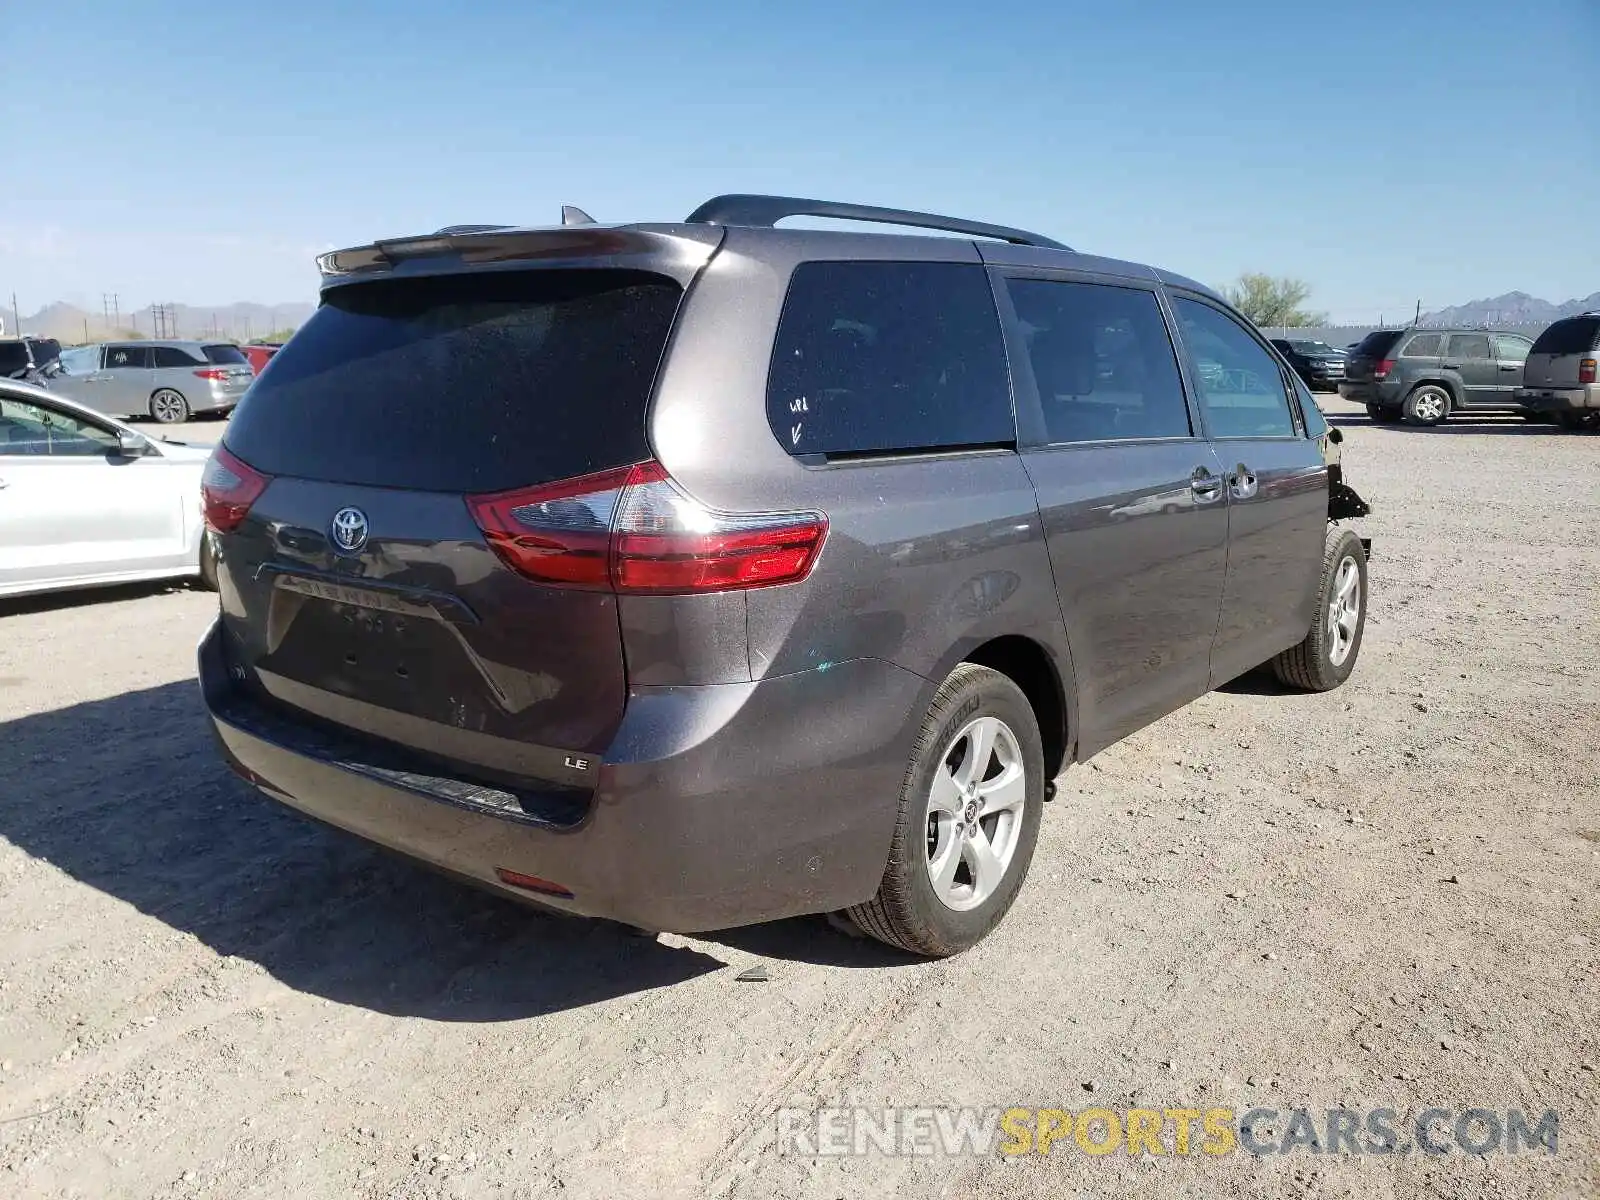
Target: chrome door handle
column 1243, row 482
column 1206, row 486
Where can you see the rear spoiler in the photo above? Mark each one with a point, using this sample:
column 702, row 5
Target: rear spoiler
column 675, row 250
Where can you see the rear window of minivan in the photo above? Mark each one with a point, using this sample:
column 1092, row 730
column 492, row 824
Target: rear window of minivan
column 1575, row 335
column 464, row 382
column 224, row 354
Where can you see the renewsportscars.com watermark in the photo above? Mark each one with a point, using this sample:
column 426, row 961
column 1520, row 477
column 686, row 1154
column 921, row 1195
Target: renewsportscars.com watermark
column 950, row 1131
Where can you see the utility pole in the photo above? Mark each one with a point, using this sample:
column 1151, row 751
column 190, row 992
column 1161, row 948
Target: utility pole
column 1417, row 320
column 86, row 331
column 16, row 313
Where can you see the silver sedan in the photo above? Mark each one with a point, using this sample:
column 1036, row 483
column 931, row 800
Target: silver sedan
column 86, row 500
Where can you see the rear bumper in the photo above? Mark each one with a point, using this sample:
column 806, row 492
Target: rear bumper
column 1370, row 392
column 1559, row 399
column 716, row 806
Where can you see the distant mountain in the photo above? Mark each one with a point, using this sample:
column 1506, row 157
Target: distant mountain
column 1514, row 308
column 237, row 322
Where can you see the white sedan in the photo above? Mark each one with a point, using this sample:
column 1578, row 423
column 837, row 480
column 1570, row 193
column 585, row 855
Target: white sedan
column 86, row 500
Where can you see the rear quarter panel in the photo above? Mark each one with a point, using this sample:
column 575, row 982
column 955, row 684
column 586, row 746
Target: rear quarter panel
column 927, row 556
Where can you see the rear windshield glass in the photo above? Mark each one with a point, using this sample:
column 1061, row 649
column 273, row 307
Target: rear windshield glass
column 13, row 357
column 225, row 355
column 463, row 383
column 1376, row 345
column 1576, row 336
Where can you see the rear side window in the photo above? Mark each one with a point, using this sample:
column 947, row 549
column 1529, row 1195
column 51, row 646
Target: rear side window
column 174, row 356
column 127, row 357
column 873, row 357
column 1469, row 345
column 13, row 358
column 224, row 355
column 463, row 383
column 1376, row 345
column 1102, row 360
column 1576, row 335
column 1424, row 345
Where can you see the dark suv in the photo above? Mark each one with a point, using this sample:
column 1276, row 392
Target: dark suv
column 698, row 574
column 1424, row 375
column 1318, row 364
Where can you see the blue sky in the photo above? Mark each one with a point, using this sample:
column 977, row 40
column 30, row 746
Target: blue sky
column 1385, row 152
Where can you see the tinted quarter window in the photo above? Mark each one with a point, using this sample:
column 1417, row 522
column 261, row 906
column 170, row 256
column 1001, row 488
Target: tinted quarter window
column 1240, row 384
column 1102, row 360
column 13, row 358
column 463, row 383
column 225, row 355
column 880, row 356
column 172, row 356
column 1424, row 345
column 1469, row 345
column 127, row 357
column 1576, row 335
column 1376, row 345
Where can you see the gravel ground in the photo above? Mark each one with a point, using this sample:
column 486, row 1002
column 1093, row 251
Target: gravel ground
column 1383, row 896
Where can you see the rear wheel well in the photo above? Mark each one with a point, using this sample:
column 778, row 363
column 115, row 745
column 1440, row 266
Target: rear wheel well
column 1449, row 388
column 1025, row 663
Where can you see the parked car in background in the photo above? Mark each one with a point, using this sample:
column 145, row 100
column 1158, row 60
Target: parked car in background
column 698, row 574
column 1424, row 375
column 1317, row 363
column 85, row 500
column 168, row 381
column 260, row 353
column 1560, row 376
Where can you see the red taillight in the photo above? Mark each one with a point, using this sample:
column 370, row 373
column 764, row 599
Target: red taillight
column 634, row 530
column 216, row 373
column 1381, row 371
column 1586, row 370
column 532, row 883
column 228, row 488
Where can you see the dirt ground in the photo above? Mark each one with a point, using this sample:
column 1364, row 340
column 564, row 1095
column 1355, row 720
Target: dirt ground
column 1385, row 896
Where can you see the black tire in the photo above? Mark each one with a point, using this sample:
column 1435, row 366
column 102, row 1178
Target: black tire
column 1579, row 420
column 1382, row 414
column 1310, row 665
column 1427, row 404
column 907, row 912
column 169, row 406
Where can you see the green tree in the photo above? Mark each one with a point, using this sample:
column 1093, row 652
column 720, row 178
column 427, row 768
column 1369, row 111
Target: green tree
column 1274, row 303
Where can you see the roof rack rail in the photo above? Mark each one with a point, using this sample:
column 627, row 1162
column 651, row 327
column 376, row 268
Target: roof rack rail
column 449, row 229
column 740, row 209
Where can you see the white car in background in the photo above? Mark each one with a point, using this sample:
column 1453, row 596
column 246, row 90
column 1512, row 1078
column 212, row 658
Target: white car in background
column 86, row 500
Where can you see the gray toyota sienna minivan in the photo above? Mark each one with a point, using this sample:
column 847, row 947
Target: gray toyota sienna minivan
column 698, row 574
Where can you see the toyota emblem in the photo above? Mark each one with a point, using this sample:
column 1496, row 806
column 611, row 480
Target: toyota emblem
column 348, row 530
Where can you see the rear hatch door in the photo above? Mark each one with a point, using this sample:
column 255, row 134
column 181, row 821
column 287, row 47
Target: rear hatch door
column 1555, row 356
column 359, row 591
column 1360, row 366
